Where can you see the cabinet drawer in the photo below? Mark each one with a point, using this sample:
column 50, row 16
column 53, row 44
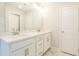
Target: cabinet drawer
column 40, row 51
column 39, row 38
column 40, row 45
column 48, row 37
column 20, row 52
column 21, row 44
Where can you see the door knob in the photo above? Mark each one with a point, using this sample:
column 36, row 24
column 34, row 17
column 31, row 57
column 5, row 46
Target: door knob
column 62, row 31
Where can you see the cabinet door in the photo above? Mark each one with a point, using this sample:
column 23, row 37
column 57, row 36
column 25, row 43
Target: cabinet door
column 19, row 52
column 30, row 50
column 26, row 51
column 69, row 43
column 39, row 45
column 47, row 40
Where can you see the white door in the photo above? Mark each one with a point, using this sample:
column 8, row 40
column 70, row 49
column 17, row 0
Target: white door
column 13, row 22
column 68, row 38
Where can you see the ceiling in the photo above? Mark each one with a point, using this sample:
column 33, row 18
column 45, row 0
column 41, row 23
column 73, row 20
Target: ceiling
column 26, row 6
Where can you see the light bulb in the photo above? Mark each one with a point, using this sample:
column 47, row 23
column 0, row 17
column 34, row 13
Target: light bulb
column 20, row 6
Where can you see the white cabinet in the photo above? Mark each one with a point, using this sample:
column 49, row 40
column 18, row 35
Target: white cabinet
column 47, row 41
column 36, row 45
column 39, row 45
column 25, row 47
column 19, row 52
column 30, row 50
column 43, row 43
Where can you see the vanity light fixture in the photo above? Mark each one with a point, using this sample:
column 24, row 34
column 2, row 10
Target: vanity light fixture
column 39, row 8
column 21, row 5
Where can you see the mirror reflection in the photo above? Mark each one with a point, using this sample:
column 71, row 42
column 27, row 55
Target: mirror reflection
column 21, row 17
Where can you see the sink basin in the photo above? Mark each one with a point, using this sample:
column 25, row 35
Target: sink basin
column 20, row 35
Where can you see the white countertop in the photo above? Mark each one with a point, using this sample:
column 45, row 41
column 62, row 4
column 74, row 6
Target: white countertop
column 13, row 38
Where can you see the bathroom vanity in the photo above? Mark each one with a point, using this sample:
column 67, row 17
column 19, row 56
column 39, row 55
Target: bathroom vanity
column 20, row 43
column 25, row 44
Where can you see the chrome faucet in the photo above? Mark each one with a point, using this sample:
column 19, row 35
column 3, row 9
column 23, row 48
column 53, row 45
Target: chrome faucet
column 15, row 31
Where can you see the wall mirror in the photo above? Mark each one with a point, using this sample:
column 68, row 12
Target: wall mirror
column 14, row 17
column 22, row 17
column 14, row 22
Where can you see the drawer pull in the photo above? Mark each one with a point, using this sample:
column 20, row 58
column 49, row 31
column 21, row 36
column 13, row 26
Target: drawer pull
column 27, row 52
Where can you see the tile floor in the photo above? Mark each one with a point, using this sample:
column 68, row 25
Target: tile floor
column 51, row 52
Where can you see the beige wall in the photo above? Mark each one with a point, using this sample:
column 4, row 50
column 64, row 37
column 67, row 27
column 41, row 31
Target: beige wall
column 2, row 17
column 51, row 23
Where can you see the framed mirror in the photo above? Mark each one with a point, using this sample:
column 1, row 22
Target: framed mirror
column 22, row 17
column 14, row 17
column 13, row 22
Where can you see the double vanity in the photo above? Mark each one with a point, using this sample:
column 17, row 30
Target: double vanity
column 15, row 21
column 25, row 44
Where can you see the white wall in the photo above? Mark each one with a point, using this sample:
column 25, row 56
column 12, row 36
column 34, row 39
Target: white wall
column 2, row 17
column 52, row 21
column 0, row 47
column 2, row 20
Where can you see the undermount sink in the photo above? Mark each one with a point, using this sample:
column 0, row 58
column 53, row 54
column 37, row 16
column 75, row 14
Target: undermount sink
column 15, row 33
column 19, row 35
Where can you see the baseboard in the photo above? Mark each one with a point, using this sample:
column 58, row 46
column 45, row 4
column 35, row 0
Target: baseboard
column 69, row 53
